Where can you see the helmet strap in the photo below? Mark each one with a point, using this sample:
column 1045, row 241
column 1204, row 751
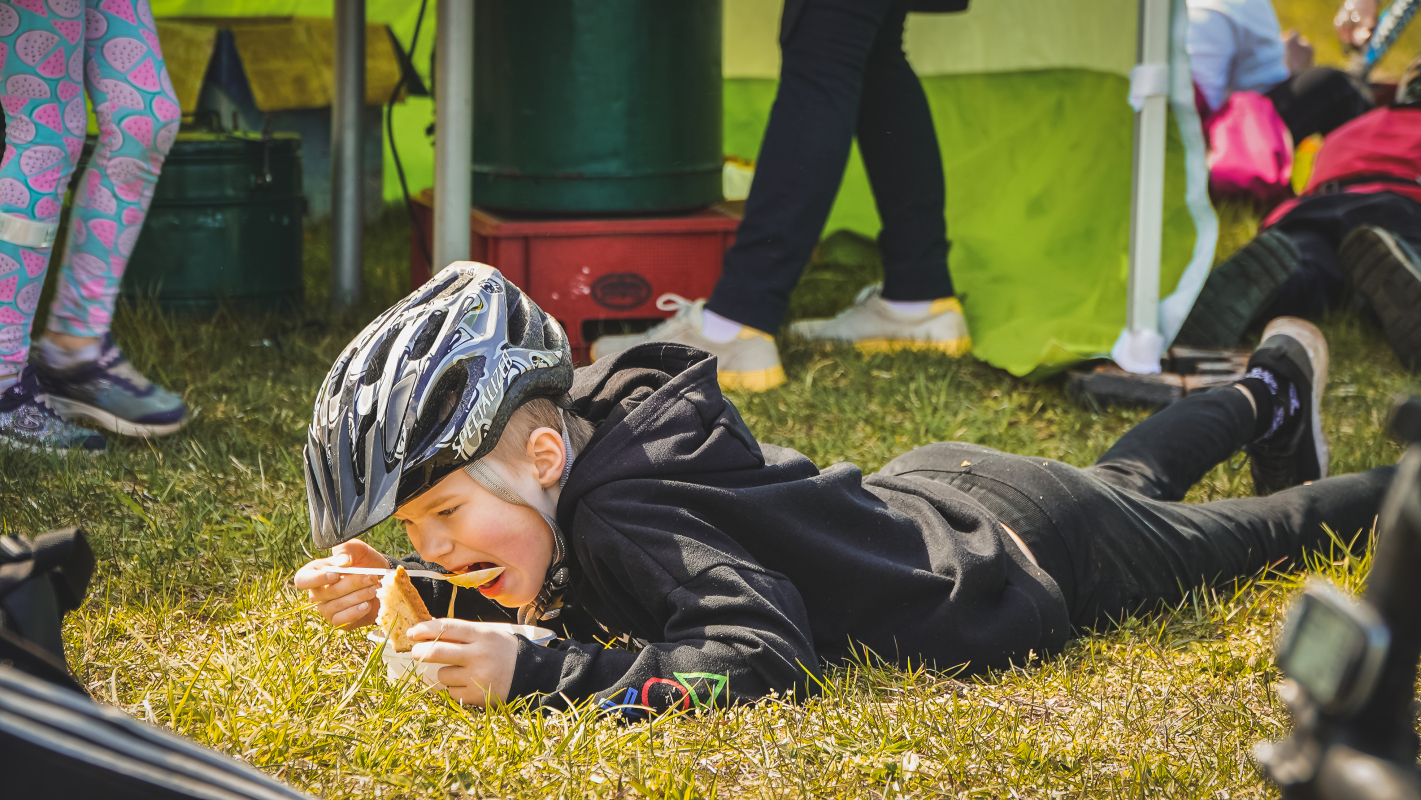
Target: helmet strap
column 567, row 450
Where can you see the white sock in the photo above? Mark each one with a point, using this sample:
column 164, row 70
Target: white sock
column 8, row 379
column 718, row 328
column 61, row 358
column 910, row 308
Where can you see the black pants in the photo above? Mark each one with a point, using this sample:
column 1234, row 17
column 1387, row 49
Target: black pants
column 1316, row 101
column 1317, row 227
column 1115, row 537
column 843, row 72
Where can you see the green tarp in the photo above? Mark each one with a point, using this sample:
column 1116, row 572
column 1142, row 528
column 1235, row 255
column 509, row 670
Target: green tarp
column 1038, row 205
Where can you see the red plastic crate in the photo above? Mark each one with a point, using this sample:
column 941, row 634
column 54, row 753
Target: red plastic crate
column 592, row 270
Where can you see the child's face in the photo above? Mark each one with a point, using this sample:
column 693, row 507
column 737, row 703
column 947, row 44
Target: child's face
column 460, row 526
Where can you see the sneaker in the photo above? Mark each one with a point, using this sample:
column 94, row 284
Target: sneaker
column 875, row 327
column 749, row 362
column 28, row 422
column 1295, row 350
column 1387, row 272
column 109, row 392
column 1237, row 290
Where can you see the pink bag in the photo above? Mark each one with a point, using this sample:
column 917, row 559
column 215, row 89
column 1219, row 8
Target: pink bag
column 1250, row 149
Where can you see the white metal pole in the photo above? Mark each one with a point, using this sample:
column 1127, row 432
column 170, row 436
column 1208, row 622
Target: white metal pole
column 1142, row 340
column 453, row 131
column 348, row 154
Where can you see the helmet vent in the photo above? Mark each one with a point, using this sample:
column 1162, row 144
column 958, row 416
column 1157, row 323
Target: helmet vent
column 367, row 421
column 375, row 367
column 439, row 408
column 517, row 315
column 439, row 284
column 427, row 335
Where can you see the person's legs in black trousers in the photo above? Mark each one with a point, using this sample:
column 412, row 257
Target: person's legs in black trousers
column 1317, row 227
column 900, row 153
column 1145, row 550
column 839, row 56
column 1292, row 268
column 1317, row 100
column 1113, row 535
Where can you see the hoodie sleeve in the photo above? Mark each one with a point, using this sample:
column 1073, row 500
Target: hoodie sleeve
column 720, row 629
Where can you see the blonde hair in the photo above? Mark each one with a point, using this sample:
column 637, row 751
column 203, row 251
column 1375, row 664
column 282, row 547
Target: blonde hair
column 512, row 447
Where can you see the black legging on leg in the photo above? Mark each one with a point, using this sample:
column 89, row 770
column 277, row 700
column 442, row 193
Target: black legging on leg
column 1151, row 548
column 1113, row 536
column 843, row 72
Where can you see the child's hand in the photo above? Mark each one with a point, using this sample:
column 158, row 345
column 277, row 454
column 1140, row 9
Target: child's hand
column 346, row 601
column 480, row 656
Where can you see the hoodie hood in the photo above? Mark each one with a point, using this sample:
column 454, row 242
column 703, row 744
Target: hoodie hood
column 659, row 413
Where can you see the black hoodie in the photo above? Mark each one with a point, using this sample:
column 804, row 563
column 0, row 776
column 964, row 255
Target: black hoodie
column 741, row 566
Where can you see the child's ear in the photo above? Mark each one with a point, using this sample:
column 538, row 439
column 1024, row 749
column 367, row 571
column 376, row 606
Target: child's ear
column 545, row 451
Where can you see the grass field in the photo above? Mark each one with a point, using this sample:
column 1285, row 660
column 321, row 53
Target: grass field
column 193, row 625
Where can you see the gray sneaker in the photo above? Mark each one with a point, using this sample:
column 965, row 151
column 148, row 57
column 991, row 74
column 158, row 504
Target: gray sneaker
column 748, row 363
column 109, row 392
column 1388, row 273
column 873, row 326
column 28, row 422
column 1238, row 290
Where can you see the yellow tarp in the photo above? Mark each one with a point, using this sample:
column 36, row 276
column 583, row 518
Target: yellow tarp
column 289, row 61
column 187, row 48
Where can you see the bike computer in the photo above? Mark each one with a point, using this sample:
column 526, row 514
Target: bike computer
column 1333, row 647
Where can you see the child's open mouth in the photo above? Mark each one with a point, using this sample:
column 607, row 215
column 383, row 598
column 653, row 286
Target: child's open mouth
column 488, row 588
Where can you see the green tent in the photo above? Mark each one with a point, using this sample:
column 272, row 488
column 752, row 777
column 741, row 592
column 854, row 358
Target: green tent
column 1030, row 103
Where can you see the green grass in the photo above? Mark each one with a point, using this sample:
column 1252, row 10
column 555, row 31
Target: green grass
column 193, row 624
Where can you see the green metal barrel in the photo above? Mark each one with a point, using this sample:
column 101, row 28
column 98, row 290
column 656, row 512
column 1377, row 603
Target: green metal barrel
column 225, row 224
column 597, row 106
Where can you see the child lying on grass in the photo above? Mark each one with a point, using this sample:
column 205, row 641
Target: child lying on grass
column 629, row 500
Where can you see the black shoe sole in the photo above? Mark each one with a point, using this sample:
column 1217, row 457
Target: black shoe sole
column 1237, row 290
column 1389, row 278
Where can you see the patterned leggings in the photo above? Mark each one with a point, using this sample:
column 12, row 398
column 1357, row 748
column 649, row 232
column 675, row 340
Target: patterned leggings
column 48, row 57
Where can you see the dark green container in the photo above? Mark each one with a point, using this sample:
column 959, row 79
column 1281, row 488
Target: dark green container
column 597, row 106
column 225, row 224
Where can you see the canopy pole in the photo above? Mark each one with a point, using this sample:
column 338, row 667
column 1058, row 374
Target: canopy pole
column 347, row 154
column 453, row 131
column 1142, row 344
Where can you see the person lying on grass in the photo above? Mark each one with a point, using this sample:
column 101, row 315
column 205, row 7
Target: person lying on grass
column 689, row 566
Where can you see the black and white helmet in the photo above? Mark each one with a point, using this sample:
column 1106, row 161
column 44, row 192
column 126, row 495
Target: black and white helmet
column 423, row 391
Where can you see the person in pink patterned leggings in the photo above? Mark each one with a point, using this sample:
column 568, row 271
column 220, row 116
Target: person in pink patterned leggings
column 51, row 53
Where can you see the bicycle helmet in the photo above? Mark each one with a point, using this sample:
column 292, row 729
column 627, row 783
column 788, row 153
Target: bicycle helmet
column 425, row 390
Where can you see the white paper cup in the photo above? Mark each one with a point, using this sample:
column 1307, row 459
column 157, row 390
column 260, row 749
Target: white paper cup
column 398, row 666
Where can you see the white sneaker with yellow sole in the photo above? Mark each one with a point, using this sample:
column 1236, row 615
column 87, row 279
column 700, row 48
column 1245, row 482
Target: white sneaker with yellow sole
column 749, row 362
column 873, row 326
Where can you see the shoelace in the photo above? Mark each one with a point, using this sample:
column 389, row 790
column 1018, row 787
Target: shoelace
column 866, row 292
column 674, row 302
column 671, row 302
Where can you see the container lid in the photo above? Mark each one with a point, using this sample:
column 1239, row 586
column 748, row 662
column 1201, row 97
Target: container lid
column 223, row 144
column 227, row 136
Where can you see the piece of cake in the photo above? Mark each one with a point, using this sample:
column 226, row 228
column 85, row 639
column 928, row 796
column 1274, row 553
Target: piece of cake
column 401, row 608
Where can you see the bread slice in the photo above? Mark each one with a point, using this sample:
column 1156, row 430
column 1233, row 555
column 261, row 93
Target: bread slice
column 401, row 608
